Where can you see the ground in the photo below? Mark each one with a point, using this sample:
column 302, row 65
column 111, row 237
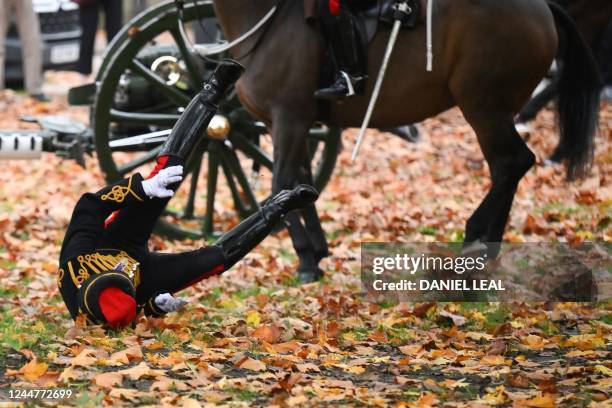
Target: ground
column 255, row 337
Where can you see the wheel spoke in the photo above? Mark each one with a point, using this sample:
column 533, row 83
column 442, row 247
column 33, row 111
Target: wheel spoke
column 141, row 160
column 194, row 74
column 250, row 149
column 193, row 187
column 236, row 168
column 159, row 119
column 238, row 202
column 313, row 146
column 211, row 189
column 170, row 92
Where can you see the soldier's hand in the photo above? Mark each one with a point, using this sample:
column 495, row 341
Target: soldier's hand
column 157, row 186
column 168, row 303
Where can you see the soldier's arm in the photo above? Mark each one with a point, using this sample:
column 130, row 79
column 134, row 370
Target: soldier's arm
column 92, row 209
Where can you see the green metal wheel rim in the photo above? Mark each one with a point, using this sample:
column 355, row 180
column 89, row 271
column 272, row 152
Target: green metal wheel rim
column 121, row 55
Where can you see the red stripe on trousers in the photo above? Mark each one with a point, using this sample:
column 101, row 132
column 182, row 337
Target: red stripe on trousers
column 214, row 271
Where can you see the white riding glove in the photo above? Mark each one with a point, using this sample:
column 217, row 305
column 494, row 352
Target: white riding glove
column 157, row 185
column 168, row 303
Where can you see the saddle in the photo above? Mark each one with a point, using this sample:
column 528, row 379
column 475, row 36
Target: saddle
column 383, row 12
column 380, row 12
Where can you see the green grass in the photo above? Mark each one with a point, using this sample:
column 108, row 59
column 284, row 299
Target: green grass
column 244, row 395
column 497, row 316
column 607, row 319
column 17, row 335
column 428, row 230
column 8, row 292
column 86, row 399
column 7, row 264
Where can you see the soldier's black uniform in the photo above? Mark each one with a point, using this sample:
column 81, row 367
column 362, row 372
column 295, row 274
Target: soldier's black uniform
column 107, row 273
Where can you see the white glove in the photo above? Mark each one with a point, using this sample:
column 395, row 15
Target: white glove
column 157, row 185
column 168, row 303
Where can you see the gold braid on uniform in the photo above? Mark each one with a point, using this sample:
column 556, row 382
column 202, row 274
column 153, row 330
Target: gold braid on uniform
column 60, row 277
column 119, row 193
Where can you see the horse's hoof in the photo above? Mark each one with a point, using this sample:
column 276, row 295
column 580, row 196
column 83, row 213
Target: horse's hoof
column 310, row 276
column 474, row 249
column 409, row 133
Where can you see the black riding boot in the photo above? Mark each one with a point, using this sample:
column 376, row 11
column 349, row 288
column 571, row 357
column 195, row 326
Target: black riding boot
column 195, row 119
column 349, row 56
column 249, row 233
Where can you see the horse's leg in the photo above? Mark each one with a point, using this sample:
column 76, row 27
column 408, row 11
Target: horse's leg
column 509, row 158
column 290, row 153
column 490, row 83
column 312, row 220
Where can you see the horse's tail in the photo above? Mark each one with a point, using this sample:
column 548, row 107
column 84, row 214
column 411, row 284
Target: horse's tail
column 580, row 87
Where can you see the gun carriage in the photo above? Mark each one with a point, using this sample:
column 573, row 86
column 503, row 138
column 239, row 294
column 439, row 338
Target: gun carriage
column 140, row 91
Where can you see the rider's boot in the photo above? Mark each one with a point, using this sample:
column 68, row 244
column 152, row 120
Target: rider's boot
column 349, row 56
column 249, row 233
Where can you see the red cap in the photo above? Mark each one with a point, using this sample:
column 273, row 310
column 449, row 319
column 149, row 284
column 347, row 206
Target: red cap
column 118, row 307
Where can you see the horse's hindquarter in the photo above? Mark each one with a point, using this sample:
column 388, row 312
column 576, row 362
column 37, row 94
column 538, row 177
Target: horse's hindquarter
column 489, row 48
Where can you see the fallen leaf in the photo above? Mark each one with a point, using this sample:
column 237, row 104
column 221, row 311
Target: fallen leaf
column 166, row 384
column 602, row 369
column 518, row 380
column 533, row 341
column 84, row 358
column 125, row 393
column 498, row 347
column 379, row 336
column 296, row 401
column 141, row 370
column 253, row 318
column 33, row 370
column 543, row 401
column 267, row 333
column 108, row 380
column 252, row 364
column 303, row 368
column 458, row 320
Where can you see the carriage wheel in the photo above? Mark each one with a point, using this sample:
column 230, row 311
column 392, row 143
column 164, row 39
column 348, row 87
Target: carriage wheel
column 123, row 107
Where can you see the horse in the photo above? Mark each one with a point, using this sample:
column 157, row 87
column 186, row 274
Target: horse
column 489, row 56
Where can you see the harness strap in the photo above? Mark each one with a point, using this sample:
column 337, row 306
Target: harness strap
column 207, row 49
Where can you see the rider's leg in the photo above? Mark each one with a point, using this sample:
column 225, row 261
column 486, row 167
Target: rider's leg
column 348, row 51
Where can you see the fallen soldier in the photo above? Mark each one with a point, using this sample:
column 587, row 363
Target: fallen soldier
column 107, row 273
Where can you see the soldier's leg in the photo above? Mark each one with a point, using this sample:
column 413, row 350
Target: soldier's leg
column 113, row 18
column 169, row 273
column 89, row 15
column 29, row 32
column 4, row 19
column 131, row 228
